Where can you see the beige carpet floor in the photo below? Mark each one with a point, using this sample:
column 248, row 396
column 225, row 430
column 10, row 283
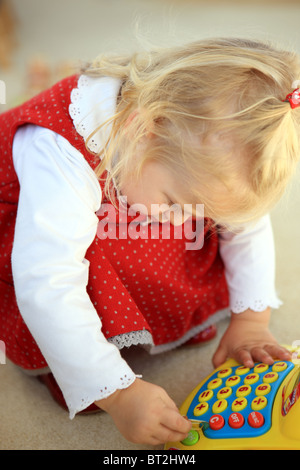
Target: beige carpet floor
column 70, row 29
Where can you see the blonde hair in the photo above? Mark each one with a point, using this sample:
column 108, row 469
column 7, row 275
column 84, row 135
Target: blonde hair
column 186, row 95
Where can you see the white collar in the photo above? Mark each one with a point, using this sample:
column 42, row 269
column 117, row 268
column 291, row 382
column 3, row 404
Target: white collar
column 92, row 103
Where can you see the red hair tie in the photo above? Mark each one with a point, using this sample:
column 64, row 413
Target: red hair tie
column 293, row 98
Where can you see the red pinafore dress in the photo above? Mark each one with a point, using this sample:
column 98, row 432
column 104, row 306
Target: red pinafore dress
column 137, row 284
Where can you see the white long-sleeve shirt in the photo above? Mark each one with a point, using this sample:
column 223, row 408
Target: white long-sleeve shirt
column 56, row 223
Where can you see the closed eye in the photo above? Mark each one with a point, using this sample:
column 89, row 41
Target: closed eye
column 175, row 205
column 171, row 203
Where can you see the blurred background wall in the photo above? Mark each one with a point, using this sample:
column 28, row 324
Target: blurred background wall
column 41, row 40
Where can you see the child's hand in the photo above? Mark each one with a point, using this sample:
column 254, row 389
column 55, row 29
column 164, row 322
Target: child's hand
column 248, row 340
column 145, row 414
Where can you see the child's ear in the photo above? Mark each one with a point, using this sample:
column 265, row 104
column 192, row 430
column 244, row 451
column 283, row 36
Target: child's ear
column 139, row 114
column 131, row 117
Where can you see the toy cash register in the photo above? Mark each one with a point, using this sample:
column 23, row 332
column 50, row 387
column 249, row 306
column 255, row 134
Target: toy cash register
column 241, row 408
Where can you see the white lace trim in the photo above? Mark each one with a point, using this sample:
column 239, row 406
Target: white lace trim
column 92, row 103
column 124, row 382
column 132, row 339
column 144, row 338
column 239, row 305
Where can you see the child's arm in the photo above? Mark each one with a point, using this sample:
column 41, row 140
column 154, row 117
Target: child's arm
column 56, row 223
column 248, row 339
column 144, row 413
column 249, row 259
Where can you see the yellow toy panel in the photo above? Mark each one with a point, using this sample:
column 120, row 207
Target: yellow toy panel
column 240, row 408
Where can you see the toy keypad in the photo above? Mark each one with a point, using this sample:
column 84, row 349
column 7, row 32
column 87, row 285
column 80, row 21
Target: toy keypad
column 237, row 401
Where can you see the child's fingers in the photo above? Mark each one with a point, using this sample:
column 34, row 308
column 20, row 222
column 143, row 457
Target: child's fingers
column 243, row 356
column 260, row 354
column 278, row 352
column 268, row 353
column 172, row 420
column 220, row 356
column 167, row 435
column 172, row 427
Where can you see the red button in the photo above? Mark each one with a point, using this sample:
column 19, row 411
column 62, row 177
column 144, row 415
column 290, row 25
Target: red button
column 256, row 419
column 236, row 420
column 216, row 422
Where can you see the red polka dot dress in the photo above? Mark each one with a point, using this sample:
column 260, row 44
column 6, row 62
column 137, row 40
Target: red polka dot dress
column 147, row 290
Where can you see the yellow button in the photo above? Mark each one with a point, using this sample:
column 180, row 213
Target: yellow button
column 243, row 391
column 215, row 383
column 224, row 372
column 201, row 409
column 259, row 403
column 219, row 406
column 279, row 366
column 262, row 389
column 251, row 379
column 224, row 392
column 233, row 380
column 239, row 404
column 242, row 370
column 261, row 367
column 270, row 377
column 206, row 395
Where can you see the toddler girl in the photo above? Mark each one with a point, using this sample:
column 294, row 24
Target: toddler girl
column 93, row 172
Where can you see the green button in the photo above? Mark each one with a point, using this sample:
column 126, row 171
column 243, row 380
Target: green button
column 191, row 439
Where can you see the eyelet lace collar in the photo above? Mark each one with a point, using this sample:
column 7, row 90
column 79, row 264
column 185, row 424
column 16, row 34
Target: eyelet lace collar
column 92, row 103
